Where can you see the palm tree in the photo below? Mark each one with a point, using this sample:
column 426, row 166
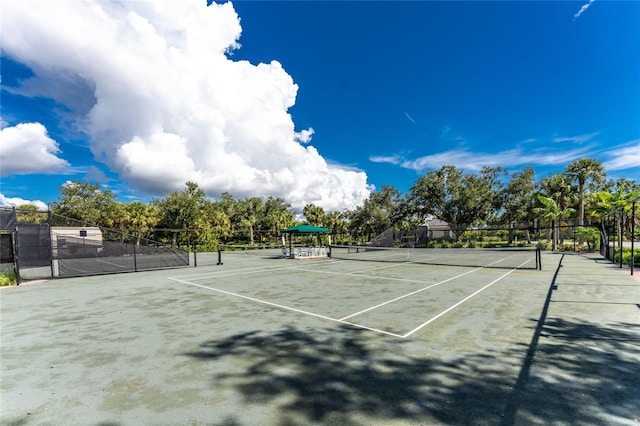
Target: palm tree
column 336, row 223
column 551, row 211
column 141, row 217
column 314, row 214
column 603, row 205
column 582, row 171
column 559, row 188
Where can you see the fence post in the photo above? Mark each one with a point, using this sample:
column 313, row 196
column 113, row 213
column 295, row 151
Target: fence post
column 633, row 233
column 51, row 243
column 620, row 236
column 135, row 258
column 16, row 260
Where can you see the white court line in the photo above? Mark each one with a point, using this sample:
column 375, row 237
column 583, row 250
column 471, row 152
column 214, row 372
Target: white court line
column 426, row 288
column 213, row 275
column 254, row 270
column 355, row 274
column 342, row 320
column 459, row 303
column 394, row 265
column 248, row 271
column 111, row 263
column 409, row 294
column 300, row 311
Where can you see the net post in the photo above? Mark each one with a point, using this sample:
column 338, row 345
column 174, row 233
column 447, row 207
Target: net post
column 135, row 258
column 195, row 258
column 538, row 258
column 219, row 257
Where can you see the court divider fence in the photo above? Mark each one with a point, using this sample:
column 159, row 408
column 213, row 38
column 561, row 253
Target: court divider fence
column 47, row 246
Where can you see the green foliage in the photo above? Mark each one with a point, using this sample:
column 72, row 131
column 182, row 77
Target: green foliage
column 518, row 198
column 457, row 198
column 314, row 214
column 7, row 278
column 589, row 236
column 28, row 213
column 626, row 256
column 489, row 198
column 543, row 245
column 584, row 171
column 86, row 202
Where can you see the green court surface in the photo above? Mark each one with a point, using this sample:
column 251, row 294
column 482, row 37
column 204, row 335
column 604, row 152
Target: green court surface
column 263, row 340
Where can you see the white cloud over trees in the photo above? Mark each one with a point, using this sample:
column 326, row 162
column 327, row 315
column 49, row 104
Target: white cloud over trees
column 153, row 86
column 27, row 148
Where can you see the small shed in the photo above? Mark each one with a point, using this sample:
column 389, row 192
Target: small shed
column 437, row 228
column 305, row 252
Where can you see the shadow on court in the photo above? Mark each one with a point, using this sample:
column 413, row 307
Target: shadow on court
column 141, row 349
column 342, row 379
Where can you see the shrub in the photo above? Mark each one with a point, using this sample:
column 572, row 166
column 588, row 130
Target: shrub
column 626, row 257
column 543, row 245
column 591, row 236
column 7, row 279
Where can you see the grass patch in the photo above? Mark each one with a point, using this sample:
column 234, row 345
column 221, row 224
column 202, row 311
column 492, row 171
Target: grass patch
column 7, row 279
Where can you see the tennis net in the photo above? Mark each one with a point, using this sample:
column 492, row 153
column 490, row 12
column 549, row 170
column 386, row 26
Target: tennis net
column 505, row 258
column 259, row 250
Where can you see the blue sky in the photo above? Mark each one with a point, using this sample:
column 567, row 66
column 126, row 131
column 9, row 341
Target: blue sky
column 315, row 102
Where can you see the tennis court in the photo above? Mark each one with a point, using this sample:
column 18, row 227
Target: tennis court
column 266, row 340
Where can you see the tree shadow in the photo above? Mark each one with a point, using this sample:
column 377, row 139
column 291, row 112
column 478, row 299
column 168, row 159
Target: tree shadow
column 345, row 376
column 571, row 371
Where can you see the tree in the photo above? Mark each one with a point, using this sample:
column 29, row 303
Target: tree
column 583, row 171
column 282, row 219
column 250, row 210
column 314, row 214
column 276, row 215
column 336, row 222
column 86, row 203
column 604, row 205
column 377, row 213
column 550, row 211
column 183, row 210
column 28, row 213
column 140, row 216
column 518, row 200
column 217, row 226
column 457, row 198
column 559, row 188
column 384, row 205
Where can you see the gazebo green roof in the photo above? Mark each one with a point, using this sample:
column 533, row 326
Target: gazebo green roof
column 306, row 229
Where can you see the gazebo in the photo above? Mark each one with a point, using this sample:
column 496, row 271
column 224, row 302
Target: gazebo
column 305, row 252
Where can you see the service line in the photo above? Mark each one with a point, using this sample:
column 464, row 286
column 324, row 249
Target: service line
column 409, row 294
column 452, row 307
column 288, row 308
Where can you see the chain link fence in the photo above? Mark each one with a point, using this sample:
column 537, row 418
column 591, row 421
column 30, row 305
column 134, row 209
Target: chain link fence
column 41, row 245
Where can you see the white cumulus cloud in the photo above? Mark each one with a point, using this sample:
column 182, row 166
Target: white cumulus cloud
column 27, row 148
column 153, row 86
column 16, row 202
